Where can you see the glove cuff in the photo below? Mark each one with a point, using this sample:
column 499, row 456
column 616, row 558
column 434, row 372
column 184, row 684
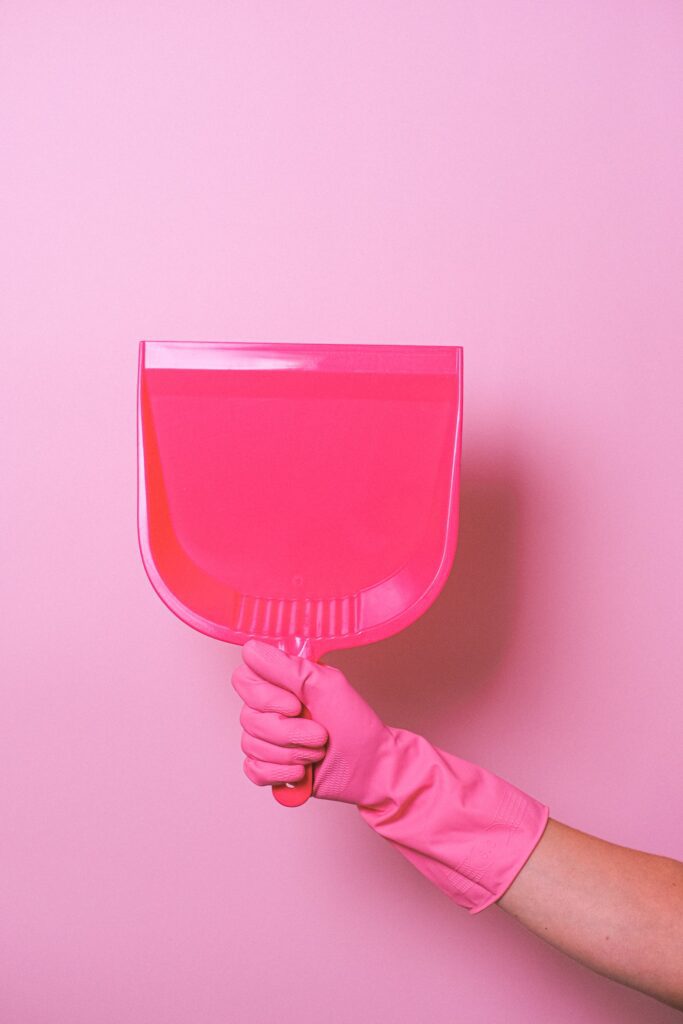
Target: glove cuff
column 467, row 830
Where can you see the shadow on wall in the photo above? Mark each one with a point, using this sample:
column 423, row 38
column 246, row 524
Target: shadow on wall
column 456, row 647
column 415, row 679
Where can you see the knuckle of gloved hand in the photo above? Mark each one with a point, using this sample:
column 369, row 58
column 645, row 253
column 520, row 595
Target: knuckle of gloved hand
column 246, row 716
column 246, row 743
column 249, row 769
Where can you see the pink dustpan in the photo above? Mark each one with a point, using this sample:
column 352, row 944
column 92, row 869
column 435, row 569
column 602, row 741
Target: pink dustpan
column 306, row 495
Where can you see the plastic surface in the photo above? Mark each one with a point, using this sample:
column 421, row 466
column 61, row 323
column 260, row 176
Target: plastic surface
column 467, row 830
column 302, row 494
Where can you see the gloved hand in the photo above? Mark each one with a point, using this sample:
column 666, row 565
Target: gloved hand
column 467, row 830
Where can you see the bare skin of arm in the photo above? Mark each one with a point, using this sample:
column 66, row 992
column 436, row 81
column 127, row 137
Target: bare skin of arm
column 618, row 911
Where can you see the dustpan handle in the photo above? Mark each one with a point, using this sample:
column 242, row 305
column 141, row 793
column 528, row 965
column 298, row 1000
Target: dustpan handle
column 294, row 794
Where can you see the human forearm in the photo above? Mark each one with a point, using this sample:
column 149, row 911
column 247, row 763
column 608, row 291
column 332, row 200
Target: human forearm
column 619, row 911
column 471, row 833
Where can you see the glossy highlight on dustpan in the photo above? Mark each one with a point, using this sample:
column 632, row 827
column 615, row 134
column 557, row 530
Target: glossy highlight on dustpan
column 306, row 495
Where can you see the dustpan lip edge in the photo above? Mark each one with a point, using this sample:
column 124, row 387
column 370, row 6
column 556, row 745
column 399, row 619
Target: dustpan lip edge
column 332, row 356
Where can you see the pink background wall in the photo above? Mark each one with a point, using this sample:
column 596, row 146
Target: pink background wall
column 505, row 176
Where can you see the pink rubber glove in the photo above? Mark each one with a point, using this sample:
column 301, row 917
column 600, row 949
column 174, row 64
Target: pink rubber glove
column 467, row 830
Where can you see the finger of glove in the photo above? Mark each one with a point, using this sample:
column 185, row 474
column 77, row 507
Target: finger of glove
column 262, row 695
column 282, row 729
column 262, row 774
column 259, row 750
column 286, row 670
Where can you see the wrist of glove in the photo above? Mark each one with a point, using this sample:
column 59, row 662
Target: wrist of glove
column 467, row 830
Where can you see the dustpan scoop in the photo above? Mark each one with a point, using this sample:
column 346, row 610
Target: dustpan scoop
column 305, row 495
